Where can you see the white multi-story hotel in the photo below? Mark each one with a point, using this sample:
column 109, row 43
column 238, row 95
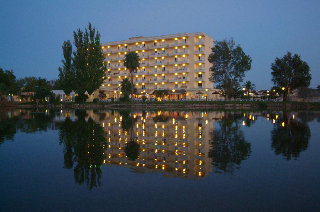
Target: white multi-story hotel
column 176, row 62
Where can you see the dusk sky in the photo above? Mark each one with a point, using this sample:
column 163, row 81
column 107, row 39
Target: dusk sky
column 32, row 32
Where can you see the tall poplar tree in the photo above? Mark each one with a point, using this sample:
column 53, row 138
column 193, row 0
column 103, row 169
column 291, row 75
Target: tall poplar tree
column 88, row 60
column 66, row 73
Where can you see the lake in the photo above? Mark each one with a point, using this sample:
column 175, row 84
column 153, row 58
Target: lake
column 121, row 160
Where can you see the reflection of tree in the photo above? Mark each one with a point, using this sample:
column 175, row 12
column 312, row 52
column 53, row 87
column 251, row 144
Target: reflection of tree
column 7, row 127
column 84, row 144
column 229, row 145
column 132, row 149
column 24, row 122
column 290, row 137
column 38, row 121
column 161, row 118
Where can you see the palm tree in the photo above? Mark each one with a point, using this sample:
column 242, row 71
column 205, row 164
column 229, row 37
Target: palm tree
column 249, row 86
column 131, row 62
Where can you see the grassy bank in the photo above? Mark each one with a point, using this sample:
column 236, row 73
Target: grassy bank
column 227, row 105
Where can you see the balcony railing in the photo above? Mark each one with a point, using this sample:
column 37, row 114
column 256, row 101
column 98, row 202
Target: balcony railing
column 199, row 70
column 121, row 50
column 161, row 45
column 161, row 62
column 182, row 70
column 140, row 73
column 179, row 62
column 115, row 82
column 158, row 71
column 199, row 42
column 199, row 51
column 141, row 81
column 161, row 54
column 178, row 53
column 138, row 48
column 179, row 79
column 117, row 66
column 117, row 59
column 124, row 74
column 201, row 60
column 143, row 64
column 181, row 43
column 106, row 51
column 144, row 55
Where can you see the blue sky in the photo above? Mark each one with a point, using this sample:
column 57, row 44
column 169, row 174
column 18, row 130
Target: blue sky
column 32, row 32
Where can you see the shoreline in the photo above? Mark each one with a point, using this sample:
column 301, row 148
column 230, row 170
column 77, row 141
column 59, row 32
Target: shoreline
column 225, row 105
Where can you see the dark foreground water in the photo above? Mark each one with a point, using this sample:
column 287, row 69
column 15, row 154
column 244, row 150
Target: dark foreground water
column 159, row 161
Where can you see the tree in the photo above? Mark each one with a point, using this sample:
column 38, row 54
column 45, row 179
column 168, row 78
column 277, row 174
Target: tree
column 131, row 61
column 39, row 86
column 102, row 95
column 8, row 84
column 290, row 137
column 229, row 64
column 88, row 60
column 318, row 87
column 249, row 86
column 230, row 147
column 83, row 142
column 66, row 73
column 126, row 89
column 290, row 72
column 160, row 93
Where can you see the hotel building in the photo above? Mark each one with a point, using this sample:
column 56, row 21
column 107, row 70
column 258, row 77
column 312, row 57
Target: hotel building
column 175, row 62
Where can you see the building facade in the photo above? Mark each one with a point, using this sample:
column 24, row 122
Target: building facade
column 176, row 62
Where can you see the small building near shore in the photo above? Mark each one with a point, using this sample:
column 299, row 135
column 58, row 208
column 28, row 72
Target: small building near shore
column 63, row 97
column 305, row 95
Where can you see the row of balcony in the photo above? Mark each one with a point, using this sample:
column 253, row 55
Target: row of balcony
column 152, row 46
column 173, row 71
column 153, row 80
column 152, row 55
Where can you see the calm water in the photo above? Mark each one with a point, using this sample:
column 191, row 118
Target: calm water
column 159, row 161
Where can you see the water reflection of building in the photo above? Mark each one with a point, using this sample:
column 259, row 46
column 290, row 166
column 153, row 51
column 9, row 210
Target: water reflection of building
column 173, row 143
